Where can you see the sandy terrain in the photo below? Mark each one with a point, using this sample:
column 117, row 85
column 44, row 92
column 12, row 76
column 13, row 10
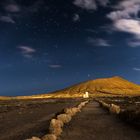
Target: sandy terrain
column 95, row 123
column 23, row 119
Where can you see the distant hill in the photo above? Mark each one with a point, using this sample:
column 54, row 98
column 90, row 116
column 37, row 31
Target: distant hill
column 114, row 85
column 98, row 87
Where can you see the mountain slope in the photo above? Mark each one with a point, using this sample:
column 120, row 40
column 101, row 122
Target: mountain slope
column 98, row 87
column 113, row 85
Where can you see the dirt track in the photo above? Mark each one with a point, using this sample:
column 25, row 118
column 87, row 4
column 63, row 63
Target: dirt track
column 95, row 123
column 24, row 119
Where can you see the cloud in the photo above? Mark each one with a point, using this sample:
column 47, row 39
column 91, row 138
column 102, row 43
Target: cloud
column 134, row 43
column 128, row 25
column 90, row 4
column 125, row 9
column 125, row 19
column 55, row 66
column 27, row 51
column 125, row 15
column 136, row 69
column 107, row 28
column 128, row 13
column 103, row 2
column 12, row 8
column 76, row 17
column 98, row 42
column 7, row 19
column 86, row 4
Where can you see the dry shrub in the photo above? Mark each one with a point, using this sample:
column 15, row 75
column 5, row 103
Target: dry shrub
column 106, row 105
column 34, row 138
column 71, row 111
column 75, row 110
column 65, row 118
column 57, row 124
column 56, row 127
column 82, row 104
column 49, row 137
column 86, row 102
column 114, row 109
column 68, row 111
column 56, row 131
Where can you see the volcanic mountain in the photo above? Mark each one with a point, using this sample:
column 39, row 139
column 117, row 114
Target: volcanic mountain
column 113, row 86
column 98, row 87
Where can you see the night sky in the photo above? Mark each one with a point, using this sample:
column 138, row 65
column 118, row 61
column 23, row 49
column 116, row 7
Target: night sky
column 47, row 45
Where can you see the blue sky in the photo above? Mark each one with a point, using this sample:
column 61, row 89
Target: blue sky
column 49, row 45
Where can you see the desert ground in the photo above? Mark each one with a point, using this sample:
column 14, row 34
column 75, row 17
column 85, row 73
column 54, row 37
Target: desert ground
column 22, row 119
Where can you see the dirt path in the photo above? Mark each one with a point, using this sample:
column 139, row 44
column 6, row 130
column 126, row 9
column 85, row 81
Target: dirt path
column 94, row 123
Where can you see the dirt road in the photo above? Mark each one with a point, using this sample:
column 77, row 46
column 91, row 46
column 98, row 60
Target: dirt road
column 95, row 123
column 24, row 119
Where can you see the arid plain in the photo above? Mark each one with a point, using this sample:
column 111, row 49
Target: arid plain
column 111, row 111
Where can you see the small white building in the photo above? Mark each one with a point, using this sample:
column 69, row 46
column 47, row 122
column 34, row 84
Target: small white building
column 86, row 95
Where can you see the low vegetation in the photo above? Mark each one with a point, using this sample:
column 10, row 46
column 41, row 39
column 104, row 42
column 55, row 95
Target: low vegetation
column 56, row 124
column 65, row 118
column 127, row 108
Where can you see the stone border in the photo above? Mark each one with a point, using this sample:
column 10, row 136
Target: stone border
column 56, row 124
column 114, row 109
